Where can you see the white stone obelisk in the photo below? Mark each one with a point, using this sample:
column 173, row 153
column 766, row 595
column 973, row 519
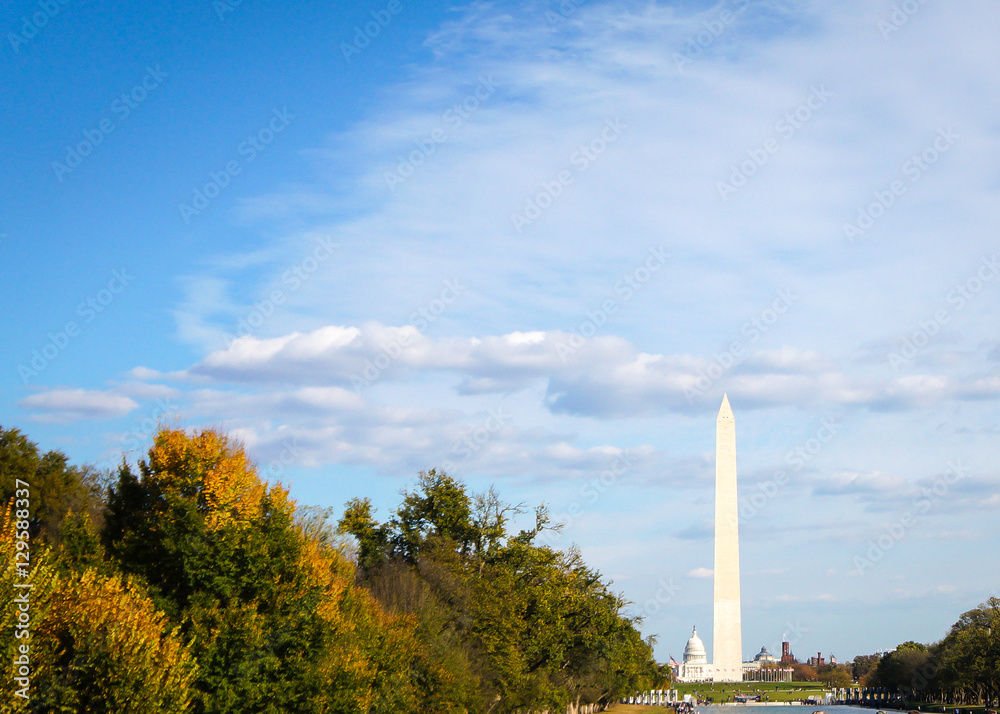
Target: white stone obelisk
column 727, row 641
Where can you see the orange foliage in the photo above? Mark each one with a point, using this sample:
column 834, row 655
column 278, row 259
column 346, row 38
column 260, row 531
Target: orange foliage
column 373, row 650
column 137, row 661
column 93, row 638
column 211, row 466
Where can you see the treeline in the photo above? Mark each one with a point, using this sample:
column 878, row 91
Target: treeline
column 962, row 669
column 834, row 676
column 188, row 584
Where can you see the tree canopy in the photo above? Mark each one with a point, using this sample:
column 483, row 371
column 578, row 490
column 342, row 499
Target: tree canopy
column 186, row 583
column 963, row 668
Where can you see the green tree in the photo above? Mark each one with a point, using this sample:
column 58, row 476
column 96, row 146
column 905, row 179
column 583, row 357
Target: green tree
column 835, row 676
column 969, row 656
column 900, row 671
column 60, row 493
column 529, row 627
column 269, row 607
column 862, row 666
column 438, row 510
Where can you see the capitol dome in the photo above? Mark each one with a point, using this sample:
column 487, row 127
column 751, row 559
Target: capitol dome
column 694, row 651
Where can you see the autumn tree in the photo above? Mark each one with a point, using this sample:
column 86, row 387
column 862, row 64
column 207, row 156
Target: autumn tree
column 96, row 644
column 271, row 612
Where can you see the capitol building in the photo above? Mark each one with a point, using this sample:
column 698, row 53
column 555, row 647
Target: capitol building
column 764, row 667
column 695, row 667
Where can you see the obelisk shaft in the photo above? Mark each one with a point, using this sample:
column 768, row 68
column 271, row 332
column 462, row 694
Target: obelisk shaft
column 727, row 642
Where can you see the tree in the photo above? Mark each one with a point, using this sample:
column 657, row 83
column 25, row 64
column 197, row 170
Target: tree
column 969, row 656
column 528, row 627
column 268, row 606
column 802, row 672
column 59, row 492
column 900, row 671
column 372, row 538
column 835, row 676
column 438, row 510
column 97, row 643
column 862, row 666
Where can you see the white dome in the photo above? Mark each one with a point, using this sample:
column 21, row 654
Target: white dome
column 694, row 651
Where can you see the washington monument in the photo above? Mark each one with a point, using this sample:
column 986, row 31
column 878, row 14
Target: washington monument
column 727, row 639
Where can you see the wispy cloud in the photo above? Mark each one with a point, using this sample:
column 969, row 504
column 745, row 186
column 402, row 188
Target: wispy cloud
column 65, row 405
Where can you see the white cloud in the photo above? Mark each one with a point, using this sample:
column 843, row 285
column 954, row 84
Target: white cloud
column 872, row 482
column 64, row 405
column 602, row 376
column 701, row 573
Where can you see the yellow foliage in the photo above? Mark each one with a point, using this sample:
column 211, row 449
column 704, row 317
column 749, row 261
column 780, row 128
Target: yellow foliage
column 135, row 663
column 372, row 650
column 92, row 638
column 212, row 467
column 43, row 580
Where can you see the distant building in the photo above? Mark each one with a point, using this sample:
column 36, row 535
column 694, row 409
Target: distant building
column 786, row 652
column 816, row 661
column 764, row 656
column 695, row 667
column 764, row 668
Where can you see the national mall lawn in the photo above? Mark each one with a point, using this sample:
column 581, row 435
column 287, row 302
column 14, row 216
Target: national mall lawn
column 720, row 692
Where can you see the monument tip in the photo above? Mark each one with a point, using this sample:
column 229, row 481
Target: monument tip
column 725, row 410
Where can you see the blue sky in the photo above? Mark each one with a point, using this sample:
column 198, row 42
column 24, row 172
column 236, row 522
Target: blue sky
column 535, row 244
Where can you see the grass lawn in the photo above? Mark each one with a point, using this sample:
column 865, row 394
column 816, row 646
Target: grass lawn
column 768, row 691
